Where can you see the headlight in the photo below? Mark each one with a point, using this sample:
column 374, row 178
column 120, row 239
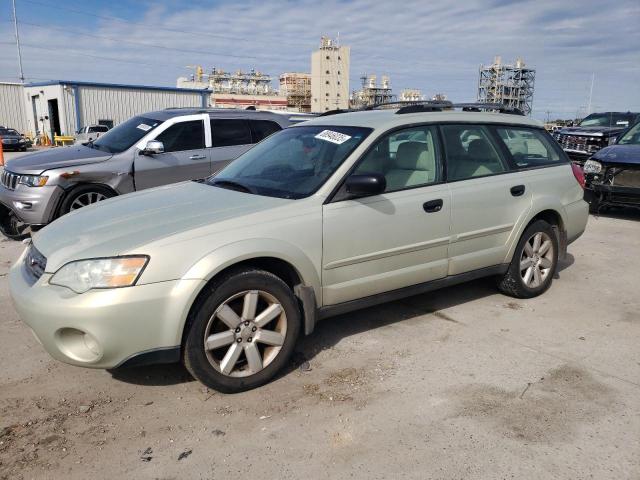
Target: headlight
column 591, row 166
column 84, row 275
column 613, row 140
column 33, row 180
column 21, row 140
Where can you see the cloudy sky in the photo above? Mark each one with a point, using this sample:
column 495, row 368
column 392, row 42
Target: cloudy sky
column 434, row 45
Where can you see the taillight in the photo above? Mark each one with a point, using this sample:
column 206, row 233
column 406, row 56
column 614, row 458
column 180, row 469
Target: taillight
column 578, row 173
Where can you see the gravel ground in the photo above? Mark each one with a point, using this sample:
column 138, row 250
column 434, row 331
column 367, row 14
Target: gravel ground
column 463, row 383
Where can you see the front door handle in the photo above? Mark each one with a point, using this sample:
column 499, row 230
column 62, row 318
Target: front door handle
column 517, row 191
column 197, row 157
column 432, row 206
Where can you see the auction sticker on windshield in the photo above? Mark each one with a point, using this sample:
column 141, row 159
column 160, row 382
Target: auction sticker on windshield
column 144, row 126
column 333, row 137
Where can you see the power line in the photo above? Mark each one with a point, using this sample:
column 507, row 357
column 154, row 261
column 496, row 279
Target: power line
column 148, row 45
column 146, row 25
column 59, row 50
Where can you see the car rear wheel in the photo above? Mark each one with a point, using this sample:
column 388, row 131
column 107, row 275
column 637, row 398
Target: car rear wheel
column 242, row 332
column 534, row 262
column 84, row 196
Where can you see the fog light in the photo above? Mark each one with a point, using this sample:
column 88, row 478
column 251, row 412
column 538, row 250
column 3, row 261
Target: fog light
column 78, row 345
column 23, row 205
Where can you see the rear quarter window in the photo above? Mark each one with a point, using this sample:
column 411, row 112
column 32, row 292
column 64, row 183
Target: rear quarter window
column 529, row 147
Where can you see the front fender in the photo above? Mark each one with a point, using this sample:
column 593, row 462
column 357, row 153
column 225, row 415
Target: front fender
column 216, row 261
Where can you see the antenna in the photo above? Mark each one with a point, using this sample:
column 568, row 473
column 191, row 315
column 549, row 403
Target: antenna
column 593, row 77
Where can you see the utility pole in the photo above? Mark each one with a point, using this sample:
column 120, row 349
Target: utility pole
column 15, row 26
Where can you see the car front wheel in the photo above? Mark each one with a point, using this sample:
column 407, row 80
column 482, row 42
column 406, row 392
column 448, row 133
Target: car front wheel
column 534, row 262
column 242, row 332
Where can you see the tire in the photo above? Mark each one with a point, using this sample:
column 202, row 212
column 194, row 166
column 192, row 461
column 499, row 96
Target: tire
column 11, row 227
column 84, row 194
column 526, row 282
column 224, row 317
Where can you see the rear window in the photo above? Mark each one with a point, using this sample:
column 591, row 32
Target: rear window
column 230, row 132
column 98, row 128
column 529, row 147
column 261, row 129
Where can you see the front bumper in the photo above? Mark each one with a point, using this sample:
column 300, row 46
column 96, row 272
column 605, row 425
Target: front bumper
column 599, row 194
column 32, row 205
column 102, row 328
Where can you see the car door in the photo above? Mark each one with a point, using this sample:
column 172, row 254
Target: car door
column 185, row 156
column 489, row 200
column 398, row 238
column 230, row 138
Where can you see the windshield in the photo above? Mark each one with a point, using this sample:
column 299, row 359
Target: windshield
column 632, row 137
column 124, row 135
column 292, row 163
column 8, row 131
column 622, row 120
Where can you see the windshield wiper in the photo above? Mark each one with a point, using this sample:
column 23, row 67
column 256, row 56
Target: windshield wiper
column 231, row 185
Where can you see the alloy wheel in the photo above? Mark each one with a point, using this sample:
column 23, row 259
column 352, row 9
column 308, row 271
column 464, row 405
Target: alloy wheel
column 537, row 259
column 87, row 199
column 245, row 333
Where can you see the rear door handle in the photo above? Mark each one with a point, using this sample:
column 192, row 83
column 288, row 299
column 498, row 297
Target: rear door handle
column 432, row 206
column 197, row 157
column 517, row 191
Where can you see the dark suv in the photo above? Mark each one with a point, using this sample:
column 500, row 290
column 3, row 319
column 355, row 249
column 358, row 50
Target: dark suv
column 594, row 132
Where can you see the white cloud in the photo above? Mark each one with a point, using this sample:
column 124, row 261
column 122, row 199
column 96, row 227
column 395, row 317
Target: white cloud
column 436, row 45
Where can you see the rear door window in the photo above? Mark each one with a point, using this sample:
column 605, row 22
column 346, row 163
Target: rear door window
column 529, row 147
column 261, row 129
column 183, row 136
column 471, row 152
column 230, row 132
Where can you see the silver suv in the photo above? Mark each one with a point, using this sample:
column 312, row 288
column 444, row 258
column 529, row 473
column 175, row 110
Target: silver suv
column 322, row 218
column 153, row 149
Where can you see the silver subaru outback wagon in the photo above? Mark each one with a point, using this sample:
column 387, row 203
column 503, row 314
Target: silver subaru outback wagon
column 322, row 218
column 156, row 148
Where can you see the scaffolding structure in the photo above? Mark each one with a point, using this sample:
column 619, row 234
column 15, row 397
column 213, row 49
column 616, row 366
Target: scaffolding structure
column 371, row 93
column 510, row 85
column 411, row 95
column 297, row 88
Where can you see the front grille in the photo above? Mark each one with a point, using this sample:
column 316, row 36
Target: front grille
column 579, row 143
column 35, row 263
column 9, row 180
column 627, row 178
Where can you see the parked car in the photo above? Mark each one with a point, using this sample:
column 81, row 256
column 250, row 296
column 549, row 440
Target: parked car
column 90, row 133
column 146, row 151
column 319, row 219
column 13, row 140
column 593, row 133
column 613, row 173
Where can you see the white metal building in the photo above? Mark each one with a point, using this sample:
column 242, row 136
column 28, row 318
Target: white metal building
column 12, row 111
column 63, row 107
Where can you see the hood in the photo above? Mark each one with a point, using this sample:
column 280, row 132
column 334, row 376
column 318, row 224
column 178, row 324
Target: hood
column 606, row 131
column 59, row 157
column 629, row 154
column 122, row 224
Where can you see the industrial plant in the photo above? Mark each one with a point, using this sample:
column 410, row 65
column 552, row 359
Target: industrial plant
column 510, row 85
column 371, row 92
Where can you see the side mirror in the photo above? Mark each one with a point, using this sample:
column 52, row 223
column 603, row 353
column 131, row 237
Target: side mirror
column 364, row 185
column 153, row 147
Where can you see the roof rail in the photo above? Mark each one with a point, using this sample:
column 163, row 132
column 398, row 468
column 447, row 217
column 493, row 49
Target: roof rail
column 337, row 111
column 430, row 106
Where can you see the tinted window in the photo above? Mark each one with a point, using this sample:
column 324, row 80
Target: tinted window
column 183, row 136
column 292, row 163
column 528, row 147
column 125, row 135
column 632, row 137
column 261, row 129
column 229, row 132
column 98, row 128
column 470, row 152
column 407, row 158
